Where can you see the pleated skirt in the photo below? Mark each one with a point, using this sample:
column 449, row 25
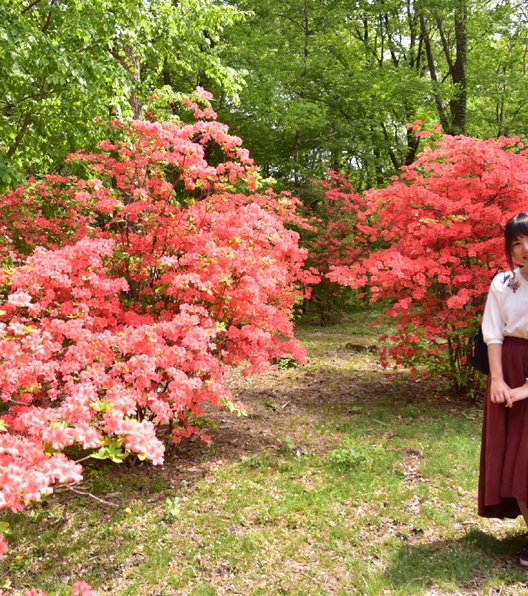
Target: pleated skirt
column 504, row 449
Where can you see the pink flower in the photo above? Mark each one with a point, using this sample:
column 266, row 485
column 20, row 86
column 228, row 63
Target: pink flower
column 82, row 589
column 138, row 299
column 19, row 299
column 3, row 547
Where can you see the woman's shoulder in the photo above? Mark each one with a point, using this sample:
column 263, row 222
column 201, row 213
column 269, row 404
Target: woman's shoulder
column 505, row 279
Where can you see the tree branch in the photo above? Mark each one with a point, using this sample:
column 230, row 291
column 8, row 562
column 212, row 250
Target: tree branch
column 30, row 6
column 88, row 494
column 395, row 161
column 20, row 135
column 445, row 46
column 47, row 24
column 432, row 73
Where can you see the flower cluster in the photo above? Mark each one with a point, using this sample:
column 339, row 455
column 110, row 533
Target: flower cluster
column 337, row 240
column 435, row 237
column 78, row 589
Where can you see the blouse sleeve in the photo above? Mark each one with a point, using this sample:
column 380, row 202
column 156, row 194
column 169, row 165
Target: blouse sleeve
column 492, row 321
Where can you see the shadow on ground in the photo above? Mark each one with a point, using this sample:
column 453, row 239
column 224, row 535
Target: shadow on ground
column 464, row 562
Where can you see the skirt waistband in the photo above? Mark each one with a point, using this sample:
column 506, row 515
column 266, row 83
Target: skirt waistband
column 515, row 340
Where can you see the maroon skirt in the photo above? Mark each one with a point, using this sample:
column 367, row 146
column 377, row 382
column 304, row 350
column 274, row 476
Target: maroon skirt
column 504, row 451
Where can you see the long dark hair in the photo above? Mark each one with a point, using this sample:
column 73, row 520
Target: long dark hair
column 517, row 226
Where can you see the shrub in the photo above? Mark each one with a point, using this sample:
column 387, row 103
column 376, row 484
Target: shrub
column 436, row 241
column 127, row 291
column 335, row 241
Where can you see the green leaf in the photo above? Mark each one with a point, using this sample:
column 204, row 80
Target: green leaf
column 172, row 507
column 101, row 406
column 112, row 450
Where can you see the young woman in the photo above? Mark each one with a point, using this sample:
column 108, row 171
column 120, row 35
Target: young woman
column 503, row 484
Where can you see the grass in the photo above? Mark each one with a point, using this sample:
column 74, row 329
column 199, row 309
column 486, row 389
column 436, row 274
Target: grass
column 340, row 481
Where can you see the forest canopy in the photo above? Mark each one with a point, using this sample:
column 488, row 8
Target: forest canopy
column 308, row 84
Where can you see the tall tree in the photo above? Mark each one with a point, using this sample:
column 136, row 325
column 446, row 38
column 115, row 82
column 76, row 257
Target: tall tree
column 498, row 80
column 66, row 64
column 332, row 83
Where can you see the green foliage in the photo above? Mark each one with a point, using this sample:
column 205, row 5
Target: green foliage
column 332, row 302
column 172, row 507
column 349, row 456
column 318, row 95
column 111, row 449
column 308, row 84
column 66, row 65
column 288, row 446
column 285, row 362
column 498, row 103
column 332, row 84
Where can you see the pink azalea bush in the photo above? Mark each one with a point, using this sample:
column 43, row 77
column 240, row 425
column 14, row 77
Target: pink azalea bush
column 78, row 589
column 127, row 292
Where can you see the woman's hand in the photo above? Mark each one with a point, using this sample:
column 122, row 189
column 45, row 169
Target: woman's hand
column 519, row 393
column 500, row 393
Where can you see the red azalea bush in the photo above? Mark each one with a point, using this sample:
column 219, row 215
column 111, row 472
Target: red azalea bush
column 334, row 242
column 436, row 233
column 128, row 291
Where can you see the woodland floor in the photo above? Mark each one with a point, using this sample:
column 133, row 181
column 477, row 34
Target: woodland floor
column 339, row 481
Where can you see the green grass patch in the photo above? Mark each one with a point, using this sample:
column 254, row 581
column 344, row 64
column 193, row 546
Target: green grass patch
column 363, row 486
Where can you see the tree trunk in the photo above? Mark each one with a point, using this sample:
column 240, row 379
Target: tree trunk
column 458, row 103
column 166, row 72
column 133, row 65
column 296, row 156
column 432, row 73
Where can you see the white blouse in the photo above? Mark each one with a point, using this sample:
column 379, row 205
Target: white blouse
column 506, row 311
